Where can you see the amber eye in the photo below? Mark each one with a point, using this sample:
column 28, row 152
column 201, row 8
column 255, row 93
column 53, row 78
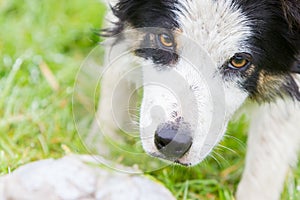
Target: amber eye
column 239, row 61
column 166, row 40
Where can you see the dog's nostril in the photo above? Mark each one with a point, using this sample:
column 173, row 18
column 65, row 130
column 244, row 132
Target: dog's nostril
column 173, row 139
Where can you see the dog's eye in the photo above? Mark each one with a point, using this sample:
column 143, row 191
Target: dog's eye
column 239, row 60
column 159, row 47
column 166, row 40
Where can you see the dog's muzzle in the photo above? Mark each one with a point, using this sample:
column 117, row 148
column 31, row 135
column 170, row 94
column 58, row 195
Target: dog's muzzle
column 173, row 139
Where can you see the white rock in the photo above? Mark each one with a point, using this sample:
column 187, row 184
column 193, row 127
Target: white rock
column 72, row 178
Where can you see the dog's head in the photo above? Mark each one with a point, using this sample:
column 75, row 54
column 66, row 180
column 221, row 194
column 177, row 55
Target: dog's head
column 201, row 60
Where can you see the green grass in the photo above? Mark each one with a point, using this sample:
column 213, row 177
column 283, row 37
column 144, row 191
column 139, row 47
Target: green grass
column 35, row 115
column 42, row 44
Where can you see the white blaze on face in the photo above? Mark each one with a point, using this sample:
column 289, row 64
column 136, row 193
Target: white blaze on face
column 170, row 93
column 217, row 26
column 213, row 31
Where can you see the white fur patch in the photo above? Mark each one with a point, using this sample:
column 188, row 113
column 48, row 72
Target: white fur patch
column 273, row 143
column 217, row 26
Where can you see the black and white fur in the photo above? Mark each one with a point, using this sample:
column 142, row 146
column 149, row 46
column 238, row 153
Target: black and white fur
column 266, row 30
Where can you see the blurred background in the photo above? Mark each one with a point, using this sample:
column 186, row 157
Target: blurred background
column 42, row 45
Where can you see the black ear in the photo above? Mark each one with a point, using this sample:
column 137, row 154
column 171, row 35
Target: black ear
column 291, row 10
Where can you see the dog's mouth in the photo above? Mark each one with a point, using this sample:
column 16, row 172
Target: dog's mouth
column 172, row 160
column 183, row 164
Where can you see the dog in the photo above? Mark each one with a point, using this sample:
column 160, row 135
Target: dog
column 245, row 57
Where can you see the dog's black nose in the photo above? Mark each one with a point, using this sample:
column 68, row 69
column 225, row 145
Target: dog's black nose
column 173, row 139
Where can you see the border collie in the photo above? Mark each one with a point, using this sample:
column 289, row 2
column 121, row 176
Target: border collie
column 201, row 60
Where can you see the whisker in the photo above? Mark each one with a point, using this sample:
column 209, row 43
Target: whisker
column 240, row 142
column 134, row 116
column 215, row 159
column 220, row 156
column 227, row 148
